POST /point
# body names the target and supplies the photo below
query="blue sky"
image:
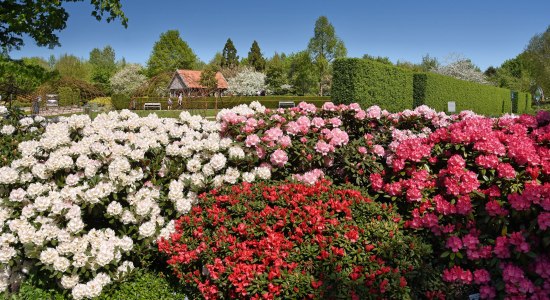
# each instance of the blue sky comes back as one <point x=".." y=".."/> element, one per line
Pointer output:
<point x="486" y="31"/>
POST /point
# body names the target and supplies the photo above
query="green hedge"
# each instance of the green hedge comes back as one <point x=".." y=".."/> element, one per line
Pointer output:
<point x="69" y="96"/>
<point x="436" y="90"/>
<point x="123" y="101"/>
<point x="370" y="83"/>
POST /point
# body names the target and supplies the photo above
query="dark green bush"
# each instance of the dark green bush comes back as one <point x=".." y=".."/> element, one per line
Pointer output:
<point x="120" y="101"/>
<point x="370" y="83"/>
<point x="142" y="285"/>
<point x="436" y="90"/>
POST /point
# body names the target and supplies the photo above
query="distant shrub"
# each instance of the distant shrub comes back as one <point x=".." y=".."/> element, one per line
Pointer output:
<point x="105" y="102"/>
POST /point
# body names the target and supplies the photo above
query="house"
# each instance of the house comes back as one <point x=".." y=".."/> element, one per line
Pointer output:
<point x="187" y="83"/>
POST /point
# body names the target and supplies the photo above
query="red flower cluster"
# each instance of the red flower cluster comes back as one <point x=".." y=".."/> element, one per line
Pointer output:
<point x="292" y="241"/>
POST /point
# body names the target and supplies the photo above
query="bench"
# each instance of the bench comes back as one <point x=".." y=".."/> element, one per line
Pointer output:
<point x="286" y="104"/>
<point x="151" y="106"/>
<point x="52" y="103"/>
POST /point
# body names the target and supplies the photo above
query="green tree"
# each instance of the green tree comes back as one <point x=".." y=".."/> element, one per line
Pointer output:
<point x="276" y="75"/>
<point x="216" y="61"/>
<point x="325" y="46"/>
<point x="537" y="59"/>
<point x="255" y="57"/>
<point x="229" y="55"/>
<point x="429" y="64"/>
<point x="103" y="66"/>
<point x="40" y="19"/>
<point x="170" y="53"/>
<point x="37" y="61"/>
<point x="208" y="78"/>
<point x="71" y="66"/>
<point x="18" y="77"/>
<point x="302" y="73"/>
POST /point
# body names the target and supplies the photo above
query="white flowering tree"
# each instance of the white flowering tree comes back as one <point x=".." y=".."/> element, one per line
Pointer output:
<point x="462" y="68"/>
<point x="247" y="83"/>
<point x="127" y="79"/>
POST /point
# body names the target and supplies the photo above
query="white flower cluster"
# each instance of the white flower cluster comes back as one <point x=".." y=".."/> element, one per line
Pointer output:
<point x="107" y="170"/>
<point x="3" y="110"/>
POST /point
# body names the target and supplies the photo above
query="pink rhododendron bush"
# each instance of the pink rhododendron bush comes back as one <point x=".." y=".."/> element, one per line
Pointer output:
<point x="476" y="187"/>
<point x="84" y="201"/>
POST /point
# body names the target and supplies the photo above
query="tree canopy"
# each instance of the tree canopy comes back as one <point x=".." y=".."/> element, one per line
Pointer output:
<point x="255" y="57"/>
<point x="39" y="19"/>
<point x="170" y="52"/>
<point x="229" y="55"/>
<point x="325" y="46"/>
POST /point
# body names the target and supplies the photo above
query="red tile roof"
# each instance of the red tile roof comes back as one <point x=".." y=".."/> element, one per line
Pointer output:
<point x="192" y="79"/>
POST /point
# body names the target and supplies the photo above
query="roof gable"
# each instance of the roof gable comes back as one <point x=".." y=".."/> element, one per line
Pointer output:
<point x="191" y="79"/>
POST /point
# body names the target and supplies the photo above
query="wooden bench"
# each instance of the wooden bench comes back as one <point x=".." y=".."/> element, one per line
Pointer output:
<point x="151" y="106"/>
<point x="286" y="104"/>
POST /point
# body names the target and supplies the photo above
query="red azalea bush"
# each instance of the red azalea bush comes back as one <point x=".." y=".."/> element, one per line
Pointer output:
<point x="294" y="241"/>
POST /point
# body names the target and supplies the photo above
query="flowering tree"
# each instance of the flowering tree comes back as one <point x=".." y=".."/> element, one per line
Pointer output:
<point x="127" y="79"/>
<point x="247" y="83"/>
<point x="461" y="68"/>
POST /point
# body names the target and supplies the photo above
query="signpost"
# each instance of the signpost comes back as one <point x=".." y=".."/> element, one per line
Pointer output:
<point x="451" y="106"/>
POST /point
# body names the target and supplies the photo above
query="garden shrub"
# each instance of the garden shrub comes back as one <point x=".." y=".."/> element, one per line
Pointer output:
<point x="16" y="127"/>
<point x="285" y="240"/>
<point x="141" y="285"/>
<point x="69" y="96"/>
<point x="436" y="90"/>
<point x="87" y="198"/>
<point x="371" y="83"/>
<point x="495" y="161"/>
<point x="480" y="188"/>
<point x="104" y="102"/>
<point x="120" y="101"/>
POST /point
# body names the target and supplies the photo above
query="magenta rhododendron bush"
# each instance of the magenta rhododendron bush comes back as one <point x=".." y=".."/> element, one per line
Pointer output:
<point x="477" y="188"/>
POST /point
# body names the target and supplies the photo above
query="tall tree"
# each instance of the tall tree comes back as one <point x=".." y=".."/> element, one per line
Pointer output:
<point x="429" y="64"/>
<point x="37" y="61"/>
<point x="216" y="61"/>
<point x="40" y="19"/>
<point x="275" y="76"/>
<point x="537" y="59"/>
<point x="103" y="66"/>
<point x="255" y="57"/>
<point x="71" y="66"/>
<point x="302" y="73"/>
<point x="170" y="52"/>
<point x="325" y="46"/>
<point x="229" y="55"/>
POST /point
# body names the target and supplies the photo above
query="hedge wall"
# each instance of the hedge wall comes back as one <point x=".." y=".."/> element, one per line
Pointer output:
<point x="436" y="90"/>
<point x="122" y="101"/>
<point x="370" y="83"/>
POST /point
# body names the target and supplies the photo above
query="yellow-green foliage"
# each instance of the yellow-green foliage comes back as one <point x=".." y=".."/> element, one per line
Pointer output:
<point x="370" y="83"/>
<point x="436" y="90"/>
<point x="105" y="102"/>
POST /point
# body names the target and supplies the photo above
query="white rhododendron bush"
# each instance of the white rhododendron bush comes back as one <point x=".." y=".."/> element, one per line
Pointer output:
<point x="85" y="201"/>
<point x="86" y="197"/>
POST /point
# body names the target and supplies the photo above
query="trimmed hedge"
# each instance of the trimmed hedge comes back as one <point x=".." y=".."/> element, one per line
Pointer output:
<point x="436" y="90"/>
<point x="123" y="101"/>
<point x="370" y="83"/>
